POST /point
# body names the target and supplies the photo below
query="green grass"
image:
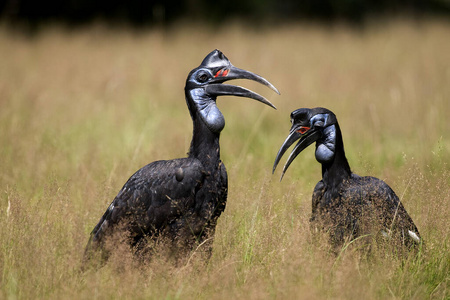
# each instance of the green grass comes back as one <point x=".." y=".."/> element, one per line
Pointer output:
<point x="81" y="110"/>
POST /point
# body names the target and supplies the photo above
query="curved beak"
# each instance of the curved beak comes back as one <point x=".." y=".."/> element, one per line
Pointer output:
<point x="216" y="88"/>
<point x="306" y="139"/>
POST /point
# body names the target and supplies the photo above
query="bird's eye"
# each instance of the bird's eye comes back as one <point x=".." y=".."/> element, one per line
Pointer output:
<point x="202" y="77"/>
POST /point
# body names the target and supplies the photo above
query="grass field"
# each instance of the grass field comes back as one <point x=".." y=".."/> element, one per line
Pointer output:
<point x="81" y="110"/>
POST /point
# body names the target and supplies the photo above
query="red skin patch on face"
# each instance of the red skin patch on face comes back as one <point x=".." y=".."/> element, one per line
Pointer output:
<point x="303" y="129"/>
<point x="221" y="73"/>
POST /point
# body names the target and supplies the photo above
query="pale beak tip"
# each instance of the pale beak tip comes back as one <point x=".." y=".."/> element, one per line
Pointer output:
<point x="275" y="89"/>
<point x="270" y="104"/>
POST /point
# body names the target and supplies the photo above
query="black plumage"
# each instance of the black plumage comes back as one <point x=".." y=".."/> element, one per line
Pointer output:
<point x="179" y="201"/>
<point x="344" y="204"/>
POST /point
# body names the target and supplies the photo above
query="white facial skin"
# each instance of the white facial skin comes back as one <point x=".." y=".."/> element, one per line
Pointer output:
<point x="208" y="110"/>
<point x="326" y="146"/>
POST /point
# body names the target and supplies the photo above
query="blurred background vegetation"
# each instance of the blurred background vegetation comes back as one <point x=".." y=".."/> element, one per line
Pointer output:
<point x="158" y="12"/>
<point x="82" y="109"/>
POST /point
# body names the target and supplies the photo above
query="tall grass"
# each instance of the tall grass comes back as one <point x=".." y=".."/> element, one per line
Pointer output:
<point x="81" y="110"/>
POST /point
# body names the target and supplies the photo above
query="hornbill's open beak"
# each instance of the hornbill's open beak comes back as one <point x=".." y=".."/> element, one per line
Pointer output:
<point x="216" y="88"/>
<point x="306" y="135"/>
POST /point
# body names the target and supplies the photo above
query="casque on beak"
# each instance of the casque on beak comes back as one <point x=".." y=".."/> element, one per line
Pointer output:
<point x="216" y="88"/>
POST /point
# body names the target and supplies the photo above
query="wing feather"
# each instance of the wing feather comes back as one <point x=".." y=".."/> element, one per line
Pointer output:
<point x="153" y="196"/>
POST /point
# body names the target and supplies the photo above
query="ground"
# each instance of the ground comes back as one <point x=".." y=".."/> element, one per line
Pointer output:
<point x="82" y="110"/>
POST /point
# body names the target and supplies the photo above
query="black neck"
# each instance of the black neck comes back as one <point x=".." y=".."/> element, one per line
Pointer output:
<point x="205" y="144"/>
<point x="338" y="170"/>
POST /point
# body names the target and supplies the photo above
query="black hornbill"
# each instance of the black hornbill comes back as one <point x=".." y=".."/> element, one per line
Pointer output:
<point x="179" y="201"/>
<point x="344" y="204"/>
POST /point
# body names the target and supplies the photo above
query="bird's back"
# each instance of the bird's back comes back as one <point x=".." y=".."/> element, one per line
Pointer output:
<point x="363" y="206"/>
<point x="178" y="199"/>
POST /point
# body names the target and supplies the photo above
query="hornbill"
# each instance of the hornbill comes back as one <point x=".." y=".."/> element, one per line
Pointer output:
<point x="346" y="205"/>
<point x="179" y="201"/>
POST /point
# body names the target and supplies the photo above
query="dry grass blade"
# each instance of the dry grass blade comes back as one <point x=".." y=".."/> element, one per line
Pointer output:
<point x="81" y="110"/>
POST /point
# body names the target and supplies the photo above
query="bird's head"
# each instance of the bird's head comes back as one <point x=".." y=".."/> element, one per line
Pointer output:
<point x="205" y="83"/>
<point x="309" y="126"/>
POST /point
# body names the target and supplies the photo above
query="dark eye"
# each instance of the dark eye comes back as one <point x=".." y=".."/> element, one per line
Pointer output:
<point x="202" y="77"/>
